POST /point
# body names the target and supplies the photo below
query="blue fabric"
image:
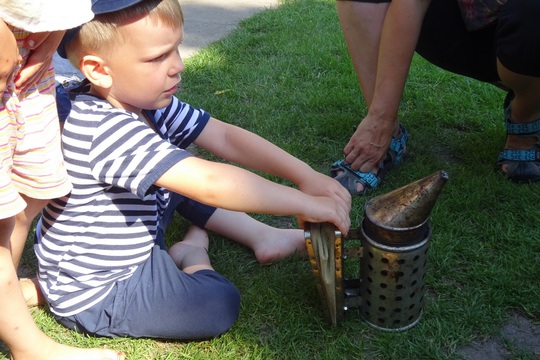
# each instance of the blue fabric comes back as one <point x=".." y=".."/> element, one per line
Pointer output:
<point x="63" y="105"/>
<point x="192" y="210"/>
<point x="66" y="77"/>
<point x="107" y="6"/>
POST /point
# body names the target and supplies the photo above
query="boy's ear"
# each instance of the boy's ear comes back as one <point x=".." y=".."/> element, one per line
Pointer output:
<point x="94" y="69"/>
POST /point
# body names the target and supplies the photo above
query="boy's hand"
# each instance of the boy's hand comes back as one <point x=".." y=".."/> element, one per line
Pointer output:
<point x="326" y="209"/>
<point x="334" y="199"/>
<point x="318" y="184"/>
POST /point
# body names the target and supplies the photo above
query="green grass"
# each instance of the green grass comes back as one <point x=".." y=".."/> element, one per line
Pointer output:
<point x="285" y="74"/>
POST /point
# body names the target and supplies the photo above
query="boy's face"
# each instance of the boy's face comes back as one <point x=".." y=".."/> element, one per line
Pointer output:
<point x="145" y="67"/>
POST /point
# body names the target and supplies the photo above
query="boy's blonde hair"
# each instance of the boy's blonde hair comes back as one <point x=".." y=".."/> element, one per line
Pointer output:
<point x="100" y="35"/>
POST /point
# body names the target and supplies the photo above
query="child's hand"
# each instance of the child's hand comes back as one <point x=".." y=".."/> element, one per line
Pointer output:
<point x="318" y="184"/>
<point x="325" y="209"/>
<point x="42" y="47"/>
<point x="9" y="56"/>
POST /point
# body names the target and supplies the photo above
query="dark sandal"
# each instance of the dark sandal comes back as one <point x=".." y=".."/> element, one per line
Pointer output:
<point x="349" y="178"/>
<point x="523" y="165"/>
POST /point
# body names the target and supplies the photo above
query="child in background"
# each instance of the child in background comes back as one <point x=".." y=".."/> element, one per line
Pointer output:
<point x="103" y="266"/>
<point x="31" y="166"/>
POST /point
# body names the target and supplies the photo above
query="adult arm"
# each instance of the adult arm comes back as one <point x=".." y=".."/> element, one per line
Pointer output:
<point x="367" y="147"/>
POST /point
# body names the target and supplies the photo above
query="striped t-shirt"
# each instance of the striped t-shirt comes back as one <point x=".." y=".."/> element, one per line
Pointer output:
<point x="106" y="227"/>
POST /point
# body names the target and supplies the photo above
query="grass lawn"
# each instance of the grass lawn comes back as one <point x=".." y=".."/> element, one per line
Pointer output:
<point x="285" y="74"/>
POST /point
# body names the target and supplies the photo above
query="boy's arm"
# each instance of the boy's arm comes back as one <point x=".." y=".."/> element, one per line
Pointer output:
<point x="250" y="150"/>
<point x="230" y="187"/>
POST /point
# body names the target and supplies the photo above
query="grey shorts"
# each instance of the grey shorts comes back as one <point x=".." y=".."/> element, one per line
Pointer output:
<point x="160" y="301"/>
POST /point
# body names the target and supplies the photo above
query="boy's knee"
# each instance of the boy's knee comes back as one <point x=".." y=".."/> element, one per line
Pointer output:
<point x="227" y="309"/>
<point x="222" y="308"/>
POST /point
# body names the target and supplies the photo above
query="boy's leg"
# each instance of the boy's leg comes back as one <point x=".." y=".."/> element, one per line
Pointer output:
<point x="270" y="244"/>
<point x="191" y="254"/>
<point x="161" y="301"/>
<point x="32" y="292"/>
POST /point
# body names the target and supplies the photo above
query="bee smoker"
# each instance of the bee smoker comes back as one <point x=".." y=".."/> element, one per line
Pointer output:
<point x="394" y="240"/>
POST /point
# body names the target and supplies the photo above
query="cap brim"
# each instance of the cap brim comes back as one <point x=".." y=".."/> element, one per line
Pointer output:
<point x="107" y="6"/>
<point x="98" y="7"/>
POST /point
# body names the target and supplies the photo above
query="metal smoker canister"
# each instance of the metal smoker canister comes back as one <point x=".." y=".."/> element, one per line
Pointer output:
<point x="396" y="235"/>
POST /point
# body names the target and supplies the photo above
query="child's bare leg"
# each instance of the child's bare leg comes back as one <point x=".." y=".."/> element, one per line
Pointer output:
<point x="17" y="328"/>
<point x="31" y="292"/>
<point x="22" y="226"/>
<point x="270" y="244"/>
<point x="23" y="222"/>
<point x="191" y="254"/>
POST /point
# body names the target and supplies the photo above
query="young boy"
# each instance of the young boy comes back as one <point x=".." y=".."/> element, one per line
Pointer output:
<point x="102" y="261"/>
<point x="31" y="168"/>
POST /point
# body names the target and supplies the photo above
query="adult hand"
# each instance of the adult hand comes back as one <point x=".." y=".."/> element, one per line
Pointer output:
<point x="42" y="47"/>
<point x="367" y="148"/>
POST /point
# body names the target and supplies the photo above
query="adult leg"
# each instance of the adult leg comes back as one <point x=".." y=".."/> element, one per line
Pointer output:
<point x="526" y="102"/>
<point x="445" y="42"/>
<point x="361" y="23"/>
<point x="518" y="55"/>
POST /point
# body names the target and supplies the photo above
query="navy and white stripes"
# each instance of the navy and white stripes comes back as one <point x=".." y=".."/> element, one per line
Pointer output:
<point x="100" y="232"/>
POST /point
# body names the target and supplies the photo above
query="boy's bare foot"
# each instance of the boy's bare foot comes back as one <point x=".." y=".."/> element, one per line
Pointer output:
<point x="191" y="254"/>
<point x="279" y="245"/>
<point x="270" y="244"/>
<point x="31" y="291"/>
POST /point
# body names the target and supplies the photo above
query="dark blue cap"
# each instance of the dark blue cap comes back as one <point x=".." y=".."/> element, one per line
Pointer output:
<point x="107" y="6"/>
<point x="98" y="7"/>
